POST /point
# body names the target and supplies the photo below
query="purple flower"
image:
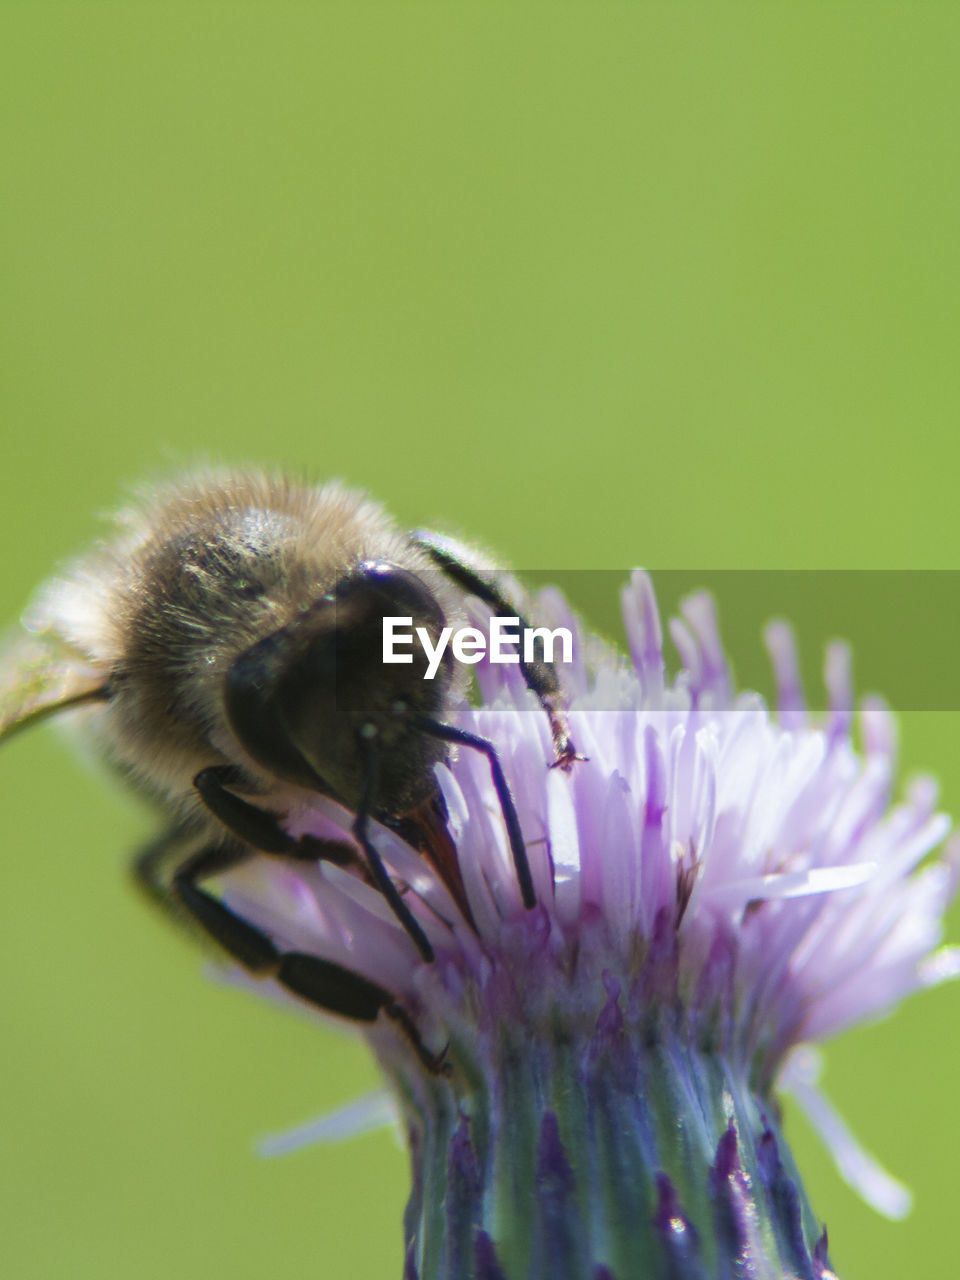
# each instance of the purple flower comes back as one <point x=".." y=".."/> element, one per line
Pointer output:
<point x="718" y="888"/>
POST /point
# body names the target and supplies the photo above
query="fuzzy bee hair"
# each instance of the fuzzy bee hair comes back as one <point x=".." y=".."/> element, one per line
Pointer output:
<point x="197" y="573"/>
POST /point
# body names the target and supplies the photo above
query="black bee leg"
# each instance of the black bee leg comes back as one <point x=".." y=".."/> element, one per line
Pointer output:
<point x="517" y="847"/>
<point x="540" y="677"/>
<point x="260" y="828"/>
<point x="246" y="944"/>
<point x="435" y="1063"/>
<point x="150" y="869"/>
<point x="323" y="983"/>
<point x="379" y="874"/>
<point x="156" y="868"/>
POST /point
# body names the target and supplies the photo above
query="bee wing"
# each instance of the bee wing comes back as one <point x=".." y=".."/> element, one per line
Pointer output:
<point x="41" y="675"/>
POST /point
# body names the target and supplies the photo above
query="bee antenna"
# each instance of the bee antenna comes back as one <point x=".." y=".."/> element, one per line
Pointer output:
<point x="518" y="848"/>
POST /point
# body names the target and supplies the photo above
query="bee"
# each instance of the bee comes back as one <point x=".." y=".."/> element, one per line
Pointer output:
<point x="227" y="643"/>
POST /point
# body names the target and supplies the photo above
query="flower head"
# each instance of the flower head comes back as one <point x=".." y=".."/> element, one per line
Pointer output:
<point x="715" y="878"/>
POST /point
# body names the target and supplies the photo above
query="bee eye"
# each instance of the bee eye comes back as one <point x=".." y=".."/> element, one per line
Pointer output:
<point x="389" y="590"/>
<point x="260" y="689"/>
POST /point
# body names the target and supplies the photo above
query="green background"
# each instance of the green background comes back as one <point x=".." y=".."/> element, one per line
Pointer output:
<point x="596" y="285"/>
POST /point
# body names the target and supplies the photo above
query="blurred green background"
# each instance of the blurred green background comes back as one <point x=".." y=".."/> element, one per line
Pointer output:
<point x="595" y="285"/>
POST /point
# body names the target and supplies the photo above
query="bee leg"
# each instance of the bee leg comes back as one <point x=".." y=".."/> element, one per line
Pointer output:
<point x="260" y="828"/>
<point x="323" y="983"/>
<point x="380" y="875"/>
<point x="436" y="1063"/>
<point x="518" y="848"/>
<point x="149" y="869"/>
<point x="540" y="677"/>
<point x="156" y="868"/>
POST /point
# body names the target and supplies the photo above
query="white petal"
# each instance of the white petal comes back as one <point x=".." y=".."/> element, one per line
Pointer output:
<point x="942" y="966"/>
<point x="856" y="1166"/>
<point x="793" y="884"/>
<point x="373" y="1111"/>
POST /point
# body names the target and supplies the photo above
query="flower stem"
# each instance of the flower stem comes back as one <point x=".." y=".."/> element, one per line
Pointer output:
<point x="601" y="1158"/>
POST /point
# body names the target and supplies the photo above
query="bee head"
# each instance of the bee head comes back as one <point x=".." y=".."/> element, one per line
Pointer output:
<point x="310" y="701"/>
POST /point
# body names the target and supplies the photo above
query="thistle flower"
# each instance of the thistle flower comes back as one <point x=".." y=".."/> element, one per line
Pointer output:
<point x="718" y="889"/>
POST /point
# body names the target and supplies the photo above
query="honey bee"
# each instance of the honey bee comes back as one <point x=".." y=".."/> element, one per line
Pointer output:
<point x="227" y="643"/>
